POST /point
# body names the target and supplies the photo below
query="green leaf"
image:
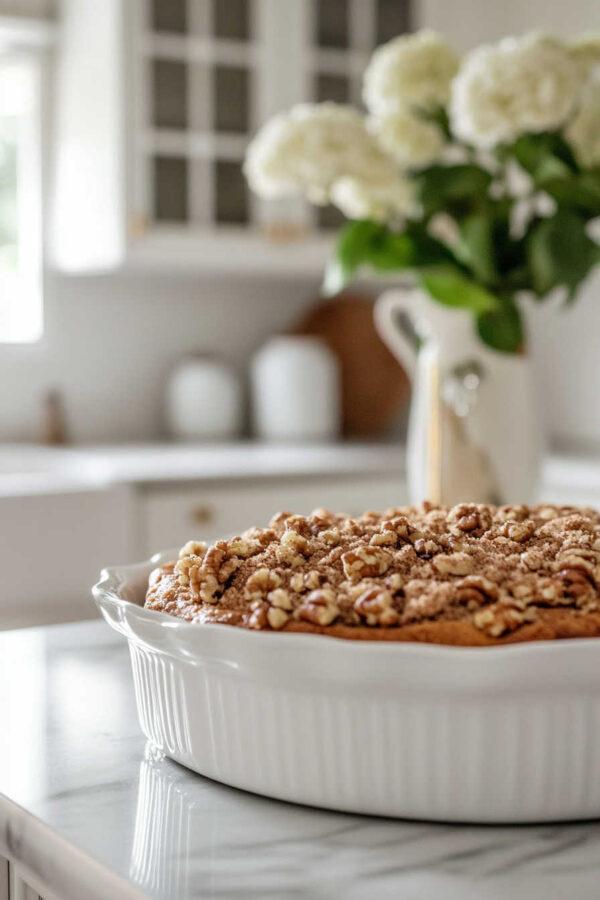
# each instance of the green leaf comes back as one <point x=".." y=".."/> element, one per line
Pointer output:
<point x="412" y="248"/>
<point x="438" y="116"/>
<point x="447" y="284"/>
<point x="391" y="252"/>
<point x="544" y="155"/>
<point x="452" y="189"/>
<point x="352" y="249"/>
<point x="578" y="192"/>
<point x="502" y="329"/>
<point x="476" y="248"/>
<point x="370" y="243"/>
<point x="560" y="254"/>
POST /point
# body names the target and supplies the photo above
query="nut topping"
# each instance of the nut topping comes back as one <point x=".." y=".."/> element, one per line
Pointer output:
<point x="319" y="608"/>
<point x="495" y="568"/>
<point x="454" y="563"/>
<point x="376" y="606"/>
<point x="365" y="562"/>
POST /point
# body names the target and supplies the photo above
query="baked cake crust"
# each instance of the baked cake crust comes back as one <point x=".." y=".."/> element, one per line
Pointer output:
<point x="470" y="575"/>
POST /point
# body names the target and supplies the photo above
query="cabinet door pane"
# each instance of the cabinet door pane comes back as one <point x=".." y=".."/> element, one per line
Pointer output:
<point x="169" y="15"/>
<point x="231" y="201"/>
<point x="230" y="102"/>
<point x="393" y="18"/>
<point x="332" y="87"/>
<point x="332" y="23"/>
<point x="170" y="189"/>
<point x="231" y="19"/>
<point x="169" y="94"/>
<point x="330" y="217"/>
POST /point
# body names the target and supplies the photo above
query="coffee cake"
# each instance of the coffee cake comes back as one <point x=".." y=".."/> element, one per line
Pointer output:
<point x="471" y="574"/>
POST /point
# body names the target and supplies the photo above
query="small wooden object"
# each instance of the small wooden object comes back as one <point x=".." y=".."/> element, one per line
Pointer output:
<point x="54" y="424"/>
<point x="374" y="386"/>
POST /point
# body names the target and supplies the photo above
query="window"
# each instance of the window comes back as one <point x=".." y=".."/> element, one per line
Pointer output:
<point x="20" y="200"/>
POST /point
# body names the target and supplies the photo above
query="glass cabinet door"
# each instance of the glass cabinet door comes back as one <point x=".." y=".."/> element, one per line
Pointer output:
<point x="199" y="68"/>
<point x="212" y="71"/>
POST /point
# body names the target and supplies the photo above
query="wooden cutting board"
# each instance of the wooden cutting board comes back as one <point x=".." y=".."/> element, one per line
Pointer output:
<point x="375" y="389"/>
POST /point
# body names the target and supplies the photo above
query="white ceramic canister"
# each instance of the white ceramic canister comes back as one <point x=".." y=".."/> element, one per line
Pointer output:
<point x="204" y="400"/>
<point x="296" y="390"/>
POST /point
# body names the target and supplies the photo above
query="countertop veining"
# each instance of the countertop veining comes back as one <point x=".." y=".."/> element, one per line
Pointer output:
<point x="93" y="812"/>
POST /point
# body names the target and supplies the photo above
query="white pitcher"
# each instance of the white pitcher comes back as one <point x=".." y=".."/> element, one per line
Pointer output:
<point x="473" y="432"/>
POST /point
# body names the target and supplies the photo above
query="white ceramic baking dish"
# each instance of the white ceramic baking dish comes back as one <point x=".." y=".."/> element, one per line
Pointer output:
<point x="500" y="734"/>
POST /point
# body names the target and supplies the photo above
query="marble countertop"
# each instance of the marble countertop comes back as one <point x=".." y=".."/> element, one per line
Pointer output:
<point x="27" y="468"/>
<point x="91" y="811"/>
<point x="30" y="468"/>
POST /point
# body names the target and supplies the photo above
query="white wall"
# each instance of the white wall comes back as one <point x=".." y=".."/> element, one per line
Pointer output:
<point x="110" y="341"/>
<point x="470" y="22"/>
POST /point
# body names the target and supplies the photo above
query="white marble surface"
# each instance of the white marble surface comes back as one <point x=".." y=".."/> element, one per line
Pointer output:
<point x="27" y="468"/>
<point x="88" y="810"/>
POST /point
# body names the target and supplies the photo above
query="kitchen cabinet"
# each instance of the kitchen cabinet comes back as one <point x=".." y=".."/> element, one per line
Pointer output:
<point x="16" y="884"/>
<point x="155" y="103"/>
<point x="170" y="515"/>
<point x="54" y="543"/>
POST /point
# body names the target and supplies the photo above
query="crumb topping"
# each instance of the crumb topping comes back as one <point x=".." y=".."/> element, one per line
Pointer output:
<point x="496" y="567"/>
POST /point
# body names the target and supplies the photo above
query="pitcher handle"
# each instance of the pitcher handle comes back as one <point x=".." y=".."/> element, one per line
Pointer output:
<point x="391" y="330"/>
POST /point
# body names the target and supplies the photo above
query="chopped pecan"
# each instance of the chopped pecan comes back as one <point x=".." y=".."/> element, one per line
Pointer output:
<point x="577" y="584"/>
<point x="496" y="620"/>
<point x="277" y="617"/>
<point x="258" y="616"/>
<point x="454" y="563"/>
<point x="511" y="513"/>
<point x="475" y="590"/>
<point x="375" y="605"/>
<point x="365" y="562"/>
<point x="193" y="548"/>
<point x="425" y="547"/>
<point x="261" y="582"/>
<point x="243" y="547"/>
<point x="319" y="608"/>
<point x="280" y="598"/>
<point x="472" y="518"/>
<point x="518" y="531"/>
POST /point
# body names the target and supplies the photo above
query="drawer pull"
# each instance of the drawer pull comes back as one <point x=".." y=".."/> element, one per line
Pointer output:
<point x="203" y="514"/>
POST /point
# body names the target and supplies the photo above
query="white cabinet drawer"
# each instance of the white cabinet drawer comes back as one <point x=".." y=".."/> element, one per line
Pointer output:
<point x="171" y="516"/>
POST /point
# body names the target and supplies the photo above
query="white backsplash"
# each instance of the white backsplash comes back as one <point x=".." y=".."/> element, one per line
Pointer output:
<point x="110" y="342"/>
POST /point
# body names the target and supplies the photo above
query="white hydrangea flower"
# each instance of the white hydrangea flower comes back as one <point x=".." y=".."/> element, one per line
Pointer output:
<point x="538" y="205"/>
<point x="592" y="229"/>
<point x="526" y="84"/>
<point x="585" y="50"/>
<point x="410" y="71"/>
<point x="411" y="141"/>
<point x="583" y="131"/>
<point x="443" y="227"/>
<point x="308" y="149"/>
<point x="383" y="201"/>
<point x="519" y="183"/>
